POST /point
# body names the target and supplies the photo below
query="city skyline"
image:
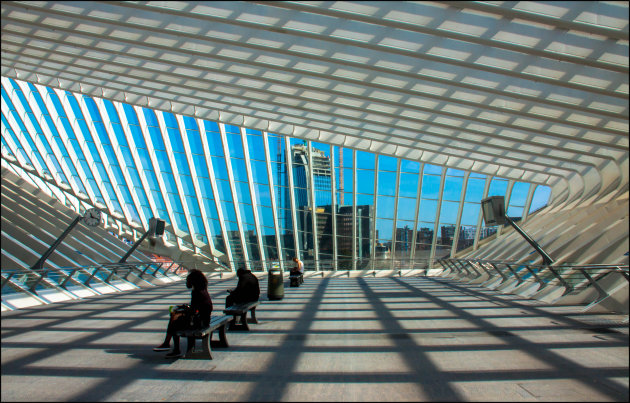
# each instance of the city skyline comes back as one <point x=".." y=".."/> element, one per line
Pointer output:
<point x="226" y="190"/>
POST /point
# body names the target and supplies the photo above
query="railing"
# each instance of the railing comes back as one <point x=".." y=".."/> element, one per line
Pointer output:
<point x="28" y="279"/>
<point x="340" y="264"/>
<point x="574" y="278"/>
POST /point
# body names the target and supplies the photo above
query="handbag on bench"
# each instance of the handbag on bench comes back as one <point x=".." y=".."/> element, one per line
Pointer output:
<point x="185" y="317"/>
<point x="182" y="314"/>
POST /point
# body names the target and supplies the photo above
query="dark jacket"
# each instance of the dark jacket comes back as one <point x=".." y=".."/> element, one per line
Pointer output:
<point x="201" y="303"/>
<point x="247" y="289"/>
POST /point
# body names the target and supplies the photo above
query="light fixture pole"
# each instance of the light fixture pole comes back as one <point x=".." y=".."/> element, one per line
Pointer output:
<point x="156" y="227"/>
<point x="40" y="263"/>
<point x="494" y="213"/>
<point x="92" y="218"/>
<point x="547" y="260"/>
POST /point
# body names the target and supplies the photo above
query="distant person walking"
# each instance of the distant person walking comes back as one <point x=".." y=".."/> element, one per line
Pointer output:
<point x="247" y="289"/>
<point x="195" y="316"/>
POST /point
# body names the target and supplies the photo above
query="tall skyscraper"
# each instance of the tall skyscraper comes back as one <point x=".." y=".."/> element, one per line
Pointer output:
<point x="321" y="186"/>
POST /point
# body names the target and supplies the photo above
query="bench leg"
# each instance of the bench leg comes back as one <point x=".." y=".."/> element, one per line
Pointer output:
<point x="244" y="321"/>
<point x="253" y="314"/>
<point x="233" y="325"/>
<point x="205" y="342"/>
<point x="239" y="326"/>
<point x="223" y="337"/>
<point x="190" y="346"/>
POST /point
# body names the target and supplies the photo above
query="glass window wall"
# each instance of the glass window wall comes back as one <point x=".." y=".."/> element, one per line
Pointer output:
<point x="143" y="161"/>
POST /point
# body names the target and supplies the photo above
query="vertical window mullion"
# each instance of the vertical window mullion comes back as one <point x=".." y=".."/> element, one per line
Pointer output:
<point x="124" y="123"/>
<point x="237" y="211"/>
<point x="13" y="148"/>
<point x="373" y="223"/>
<point x="437" y="216"/>
<point x="486" y="189"/>
<point x="333" y="207"/>
<point x="20" y="144"/>
<point x="144" y="129"/>
<point x="47" y="131"/>
<point x="107" y="123"/>
<point x="506" y="198"/>
<point x="414" y="235"/>
<point x="252" y="192"/>
<point x="272" y="195"/>
<point x="188" y="236"/>
<point x="72" y="119"/>
<point x="310" y="185"/>
<point x="74" y="158"/>
<point x="101" y="153"/>
<point x="215" y="194"/>
<point x="528" y="201"/>
<point x="458" y="221"/>
<point x="396" y="198"/>
<point x="289" y="161"/>
<point x="21" y="112"/>
<point x="354" y="210"/>
<point x="195" y="181"/>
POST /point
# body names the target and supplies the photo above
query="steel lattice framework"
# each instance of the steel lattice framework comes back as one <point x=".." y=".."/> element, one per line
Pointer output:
<point x="533" y="92"/>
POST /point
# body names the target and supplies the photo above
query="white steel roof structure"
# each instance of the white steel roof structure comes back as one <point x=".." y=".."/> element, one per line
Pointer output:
<point x="533" y="92"/>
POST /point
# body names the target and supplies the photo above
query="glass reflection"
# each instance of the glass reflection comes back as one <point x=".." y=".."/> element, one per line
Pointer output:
<point x="406" y="209"/>
<point x="106" y="156"/>
<point x="541" y="198"/>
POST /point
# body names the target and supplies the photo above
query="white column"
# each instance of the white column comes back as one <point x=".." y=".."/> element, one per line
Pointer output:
<point x="374" y="238"/>
<point x="333" y="205"/>
<point x="195" y="180"/>
<point x="289" y="161"/>
<point x="395" y="223"/>
<point x="147" y="139"/>
<point x="144" y="220"/>
<point x="310" y="188"/>
<point x="458" y="222"/>
<point x="237" y="211"/>
<point x="354" y="210"/>
<point x="414" y="236"/>
<point x="32" y="131"/>
<point x="506" y="199"/>
<point x="215" y="192"/>
<point x="48" y="133"/>
<point x="252" y="192"/>
<point x="528" y="201"/>
<point x="108" y="170"/>
<point x="436" y="226"/>
<point x="486" y="188"/>
<point x="136" y="159"/>
<point x="272" y="196"/>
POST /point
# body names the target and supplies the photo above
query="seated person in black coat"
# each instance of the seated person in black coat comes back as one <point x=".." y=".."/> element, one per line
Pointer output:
<point x="247" y="289"/>
<point x="198" y="315"/>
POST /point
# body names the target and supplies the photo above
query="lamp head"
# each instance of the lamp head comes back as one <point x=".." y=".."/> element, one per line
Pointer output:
<point x="493" y="208"/>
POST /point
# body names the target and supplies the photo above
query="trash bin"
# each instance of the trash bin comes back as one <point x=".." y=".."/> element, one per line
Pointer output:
<point x="275" y="286"/>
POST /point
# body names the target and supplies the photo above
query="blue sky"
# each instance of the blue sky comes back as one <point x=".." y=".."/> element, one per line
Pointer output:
<point x="128" y="159"/>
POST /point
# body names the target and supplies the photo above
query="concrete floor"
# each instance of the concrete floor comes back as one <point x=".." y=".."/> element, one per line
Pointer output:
<point x="332" y="339"/>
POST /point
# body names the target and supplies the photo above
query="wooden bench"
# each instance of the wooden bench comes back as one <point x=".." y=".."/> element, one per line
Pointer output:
<point x="240" y="310"/>
<point x="295" y="280"/>
<point x="205" y="334"/>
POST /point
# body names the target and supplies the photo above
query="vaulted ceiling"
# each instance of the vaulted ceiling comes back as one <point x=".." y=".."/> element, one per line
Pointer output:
<point x="531" y="91"/>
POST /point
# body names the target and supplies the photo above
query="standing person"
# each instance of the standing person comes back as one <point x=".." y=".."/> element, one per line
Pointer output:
<point x="247" y="289"/>
<point x="197" y="316"/>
